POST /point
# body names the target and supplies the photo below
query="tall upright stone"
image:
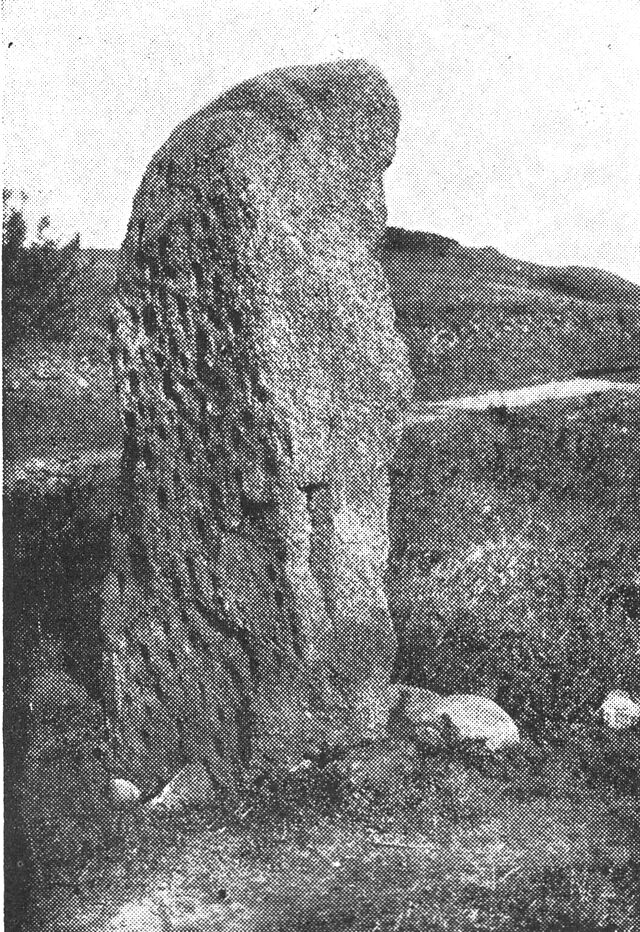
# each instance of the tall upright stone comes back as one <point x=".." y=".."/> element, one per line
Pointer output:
<point x="260" y="383"/>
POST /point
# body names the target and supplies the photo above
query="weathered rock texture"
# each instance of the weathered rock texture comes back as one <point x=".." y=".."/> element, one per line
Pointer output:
<point x="260" y="382"/>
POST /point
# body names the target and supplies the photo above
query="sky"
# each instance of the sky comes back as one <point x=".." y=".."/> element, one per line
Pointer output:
<point x="520" y="120"/>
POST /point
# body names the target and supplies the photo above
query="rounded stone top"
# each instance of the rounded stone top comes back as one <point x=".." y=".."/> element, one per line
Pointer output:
<point x="291" y="100"/>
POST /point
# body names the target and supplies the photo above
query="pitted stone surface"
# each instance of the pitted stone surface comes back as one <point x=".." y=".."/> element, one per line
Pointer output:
<point x="260" y="384"/>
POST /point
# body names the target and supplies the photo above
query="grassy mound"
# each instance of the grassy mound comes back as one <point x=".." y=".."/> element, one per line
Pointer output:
<point x="475" y="320"/>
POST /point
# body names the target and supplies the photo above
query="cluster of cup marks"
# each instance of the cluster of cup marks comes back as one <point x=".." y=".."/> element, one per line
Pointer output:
<point x="204" y="375"/>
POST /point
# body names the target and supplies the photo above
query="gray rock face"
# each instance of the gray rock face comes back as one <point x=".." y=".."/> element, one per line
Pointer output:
<point x="260" y="384"/>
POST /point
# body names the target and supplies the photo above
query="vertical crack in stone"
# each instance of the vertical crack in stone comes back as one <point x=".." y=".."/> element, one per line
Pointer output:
<point x="260" y="384"/>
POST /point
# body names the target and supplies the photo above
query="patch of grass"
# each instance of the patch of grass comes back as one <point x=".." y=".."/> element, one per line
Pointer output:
<point x="59" y="399"/>
<point x="515" y="555"/>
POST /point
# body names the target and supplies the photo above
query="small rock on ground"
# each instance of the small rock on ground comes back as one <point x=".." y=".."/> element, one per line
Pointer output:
<point x="619" y="710"/>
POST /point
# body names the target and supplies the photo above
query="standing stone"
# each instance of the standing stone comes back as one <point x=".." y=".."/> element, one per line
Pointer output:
<point x="260" y="384"/>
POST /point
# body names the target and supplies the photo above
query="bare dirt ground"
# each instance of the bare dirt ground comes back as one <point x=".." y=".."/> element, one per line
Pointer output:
<point x="379" y="839"/>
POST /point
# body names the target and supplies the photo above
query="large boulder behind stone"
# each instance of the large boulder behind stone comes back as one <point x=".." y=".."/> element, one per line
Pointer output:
<point x="419" y="713"/>
<point x="260" y="383"/>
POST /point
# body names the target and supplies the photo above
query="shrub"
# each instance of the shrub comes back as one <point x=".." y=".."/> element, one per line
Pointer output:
<point x="38" y="280"/>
